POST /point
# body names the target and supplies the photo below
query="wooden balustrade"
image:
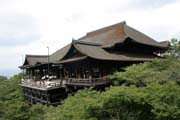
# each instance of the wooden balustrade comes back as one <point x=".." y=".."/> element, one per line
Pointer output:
<point x="46" y="84"/>
<point x="43" y="84"/>
<point x="86" y="81"/>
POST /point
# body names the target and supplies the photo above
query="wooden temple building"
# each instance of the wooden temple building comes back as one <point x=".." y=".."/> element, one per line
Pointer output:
<point x="85" y="62"/>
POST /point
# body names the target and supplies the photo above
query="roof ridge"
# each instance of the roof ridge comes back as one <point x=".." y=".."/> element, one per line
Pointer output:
<point x="107" y="27"/>
<point x="86" y="42"/>
<point x="28" y="55"/>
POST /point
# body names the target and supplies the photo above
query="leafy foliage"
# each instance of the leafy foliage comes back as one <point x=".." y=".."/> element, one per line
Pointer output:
<point x="38" y="112"/>
<point x="3" y="78"/>
<point x="11" y="100"/>
<point x="12" y="106"/>
<point x="159" y="71"/>
<point x="175" y="47"/>
<point x="154" y="102"/>
<point x="76" y="107"/>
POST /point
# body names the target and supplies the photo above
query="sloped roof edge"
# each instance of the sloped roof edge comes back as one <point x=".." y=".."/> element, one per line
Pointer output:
<point x="33" y="59"/>
<point x="59" y="54"/>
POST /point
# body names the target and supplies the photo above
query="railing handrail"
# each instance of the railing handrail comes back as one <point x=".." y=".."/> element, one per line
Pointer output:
<point x="62" y="82"/>
<point x="86" y="80"/>
<point x="42" y="83"/>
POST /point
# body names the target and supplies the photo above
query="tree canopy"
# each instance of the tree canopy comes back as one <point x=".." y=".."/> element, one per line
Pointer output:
<point x="159" y="71"/>
<point x="175" y="47"/>
<point x="12" y="106"/>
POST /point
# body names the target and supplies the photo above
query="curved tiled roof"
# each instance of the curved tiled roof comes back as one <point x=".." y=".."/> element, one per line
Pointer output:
<point x="105" y="35"/>
<point x="58" y="55"/>
<point x="93" y="44"/>
<point x="96" y="52"/>
<point x="31" y="60"/>
<point x="118" y="33"/>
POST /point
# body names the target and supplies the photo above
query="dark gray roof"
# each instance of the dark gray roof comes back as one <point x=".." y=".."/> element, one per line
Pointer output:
<point x="105" y="35"/>
<point x="31" y="60"/>
<point x="165" y="43"/>
<point x="58" y="55"/>
<point x="118" y="33"/>
<point x="97" y="52"/>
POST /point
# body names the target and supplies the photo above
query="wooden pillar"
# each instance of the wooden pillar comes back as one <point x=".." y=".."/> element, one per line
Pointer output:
<point x="47" y="98"/>
<point x="90" y="70"/>
<point x="31" y="99"/>
<point x="76" y="72"/>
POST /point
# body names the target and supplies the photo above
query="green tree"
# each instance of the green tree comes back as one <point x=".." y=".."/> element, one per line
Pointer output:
<point x="11" y="100"/>
<point x="159" y="71"/>
<point x="175" y="47"/>
<point x="37" y="112"/>
<point x="12" y="105"/>
<point x="3" y="78"/>
<point x="77" y="107"/>
<point x="153" y="102"/>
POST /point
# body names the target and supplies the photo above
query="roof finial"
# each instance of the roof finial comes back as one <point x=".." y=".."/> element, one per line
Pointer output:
<point x="73" y="40"/>
<point x="124" y="22"/>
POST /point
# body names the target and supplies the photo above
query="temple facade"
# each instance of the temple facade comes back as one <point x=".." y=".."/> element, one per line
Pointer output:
<point x="86" y="62"/>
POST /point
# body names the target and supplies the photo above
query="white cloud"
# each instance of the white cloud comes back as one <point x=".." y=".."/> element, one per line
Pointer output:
<point x="55" y="22"/>
<point x="161" y="23"/>
<point x="17" y="29"/>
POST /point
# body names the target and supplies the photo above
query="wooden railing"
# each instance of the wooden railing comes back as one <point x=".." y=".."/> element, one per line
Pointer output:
<point x="44" y="84"/>
<point x="48" y="84"/>
<point x="86" y="81"/>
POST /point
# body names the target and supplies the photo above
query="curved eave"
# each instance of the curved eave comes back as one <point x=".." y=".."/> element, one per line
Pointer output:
<point x="60" y="54"/>
<point x="24" y="67"/>
<point x="162" y="47"/>
<point x="102" y="54"/>
<point x="33" y="66"/>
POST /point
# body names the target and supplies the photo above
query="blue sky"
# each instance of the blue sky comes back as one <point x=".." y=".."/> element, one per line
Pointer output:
<point x="29" y="26"/>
